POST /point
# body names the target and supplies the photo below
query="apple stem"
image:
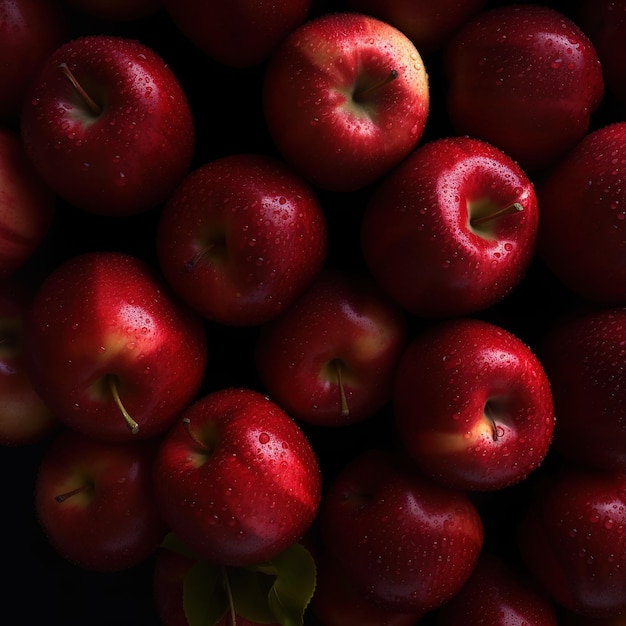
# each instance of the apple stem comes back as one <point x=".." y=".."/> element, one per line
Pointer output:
<point x="91" y="103"/>
<point x="68" y="494"/>
<point x="229" y="595"/>
<point x="345" y="410"/>
<point x="203" y="446"/>
<point x="132" y="424"/>
<point x="516" y="207"/>
<point x="494" y="428"/>
<point x="364" y="93"/>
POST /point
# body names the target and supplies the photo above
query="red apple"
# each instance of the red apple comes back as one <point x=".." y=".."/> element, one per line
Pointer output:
<point x="24" y="417"/>
<point x="572" y="537"/>
<point x="241" y="238"/>
<point x="405" y="541"/>
<point x="339" y="602"/>
<point x="345" y="98"/>
<point x="30" y="31"/>
<point x="583" y="355"/>
<point x="27" y="204"/>
<point x="118" y="10"/>
<point x="499" y="594"/>
<point x="525" y="78"/>
<point x="451" y="230"/>
<point x="472" y="405"/>
<point x="236" y="479"/>
<point x="94" y="501"/>
<point x="330" y="358"/>
<point x="238" y="33"/>
<point x="108" y="126"/>
<point x="110" y="350"/>
<point x="429" y="25"/>
<point x="582" y="234"/>
<point x="604" y="22"/>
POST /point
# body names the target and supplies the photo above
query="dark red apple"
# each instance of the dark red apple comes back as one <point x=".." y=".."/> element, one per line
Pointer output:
<point x="119" y="10"/>
<point x="473" y="405"/>
<point x="24" y="417"/>
<point x="330" y="358"/>
<point x="236" y="479"/>
<point x="498" y="593"/>
<point x="572" y="537"/>
<point x="94" y="501"/>
<point x="241" y="238"/>
<point x="409" y="544"/>
<point x="345" y="98"/>
<point x="110" y="349"/>
<point x="525" y="78"/>
<point x="429" y="25"/>
<point x="582" y="233"/>
<point x="451" y="230"/>
<point x="30" y="31"/>
<point x="27" y="204"/>
<point x="238" y="33"/>
<point x="584" y="357"/>
<point x="108" y="126"/>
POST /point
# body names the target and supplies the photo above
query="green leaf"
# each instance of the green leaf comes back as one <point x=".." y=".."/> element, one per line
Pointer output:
<point x="278" y="591"/>
<point x="294" y="585"/>
<point x="204" y="598"/>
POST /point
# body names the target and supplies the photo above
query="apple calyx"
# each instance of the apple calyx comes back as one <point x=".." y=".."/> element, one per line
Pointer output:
<point x="94" y="108"/>
<point x="363" y="93"/>
<point x="132" y="424"/>
<point x="511" y="209"/>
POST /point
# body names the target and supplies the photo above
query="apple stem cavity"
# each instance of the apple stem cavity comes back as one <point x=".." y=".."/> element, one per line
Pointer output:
<point x="68" y="494"/>
<point x="132" y="424"/>
<point x="364" y="93"/>
<point x="199" y="443"/>
<point x="92" y="105"/>
<point x="516" y="207"/>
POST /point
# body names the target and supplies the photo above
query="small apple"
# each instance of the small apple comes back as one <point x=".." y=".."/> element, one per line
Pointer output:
<point x="238" y="33"/>
<point x="472" y="405"/>
<point x="330" y="358"/>
<point x="94" y="501"/>
<point x="27" y="204"/>
<point x="108" y="126"/>
<point x="236" y="479"/>
<point x="451" y="230"/>
<point x="525" y="78"/>
<point x="31" y="30"/>
<point x="500" y="594"/>
<point x="408" y="543"/>
<point x="584" y="358"/>
<point x="110" y="350"/>
<point x="24" y="417"/>
<point x="241" y="238"/>
<point x="345" y="98"/>
<point x="429" y="25"/>
<point x="572" y="538"/>
<point x="582" y="233"/>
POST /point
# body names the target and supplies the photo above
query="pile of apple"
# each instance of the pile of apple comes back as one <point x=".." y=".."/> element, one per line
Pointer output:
<point x="313" y="312"/>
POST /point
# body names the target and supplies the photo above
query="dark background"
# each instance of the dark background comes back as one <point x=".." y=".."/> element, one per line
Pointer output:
<point x="38" y="585"/>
